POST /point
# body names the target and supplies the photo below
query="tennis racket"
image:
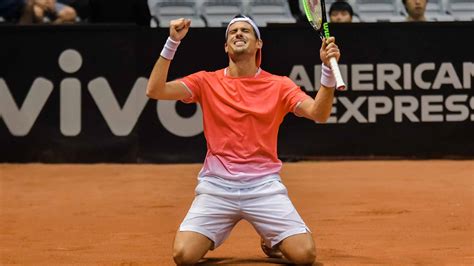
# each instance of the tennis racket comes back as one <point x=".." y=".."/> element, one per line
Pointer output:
<point x="316" y="13"/>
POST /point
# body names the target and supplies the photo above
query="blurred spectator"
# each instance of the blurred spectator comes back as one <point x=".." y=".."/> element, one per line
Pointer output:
<point x="81" y="7"/>
<point x="113" y="11"/>
<point x="415" y="9"/>
<point x="45" y="11"/>
<point x="36" y="11"/>
<point x="340" y="12"/>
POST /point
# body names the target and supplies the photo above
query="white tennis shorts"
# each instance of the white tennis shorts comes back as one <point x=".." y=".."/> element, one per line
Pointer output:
<point x="216" y="209"/>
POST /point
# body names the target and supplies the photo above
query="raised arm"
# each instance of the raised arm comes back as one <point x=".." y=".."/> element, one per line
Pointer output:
<point x="157" y="87"/>
<point x="319" y="108"/>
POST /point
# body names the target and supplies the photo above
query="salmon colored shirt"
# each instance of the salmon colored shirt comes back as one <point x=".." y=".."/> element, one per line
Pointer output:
<point x="241" y="117"/>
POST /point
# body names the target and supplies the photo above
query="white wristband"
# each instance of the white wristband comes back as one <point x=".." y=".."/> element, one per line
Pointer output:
<point x="327" y="78"/>
<point x="170" y="48"/>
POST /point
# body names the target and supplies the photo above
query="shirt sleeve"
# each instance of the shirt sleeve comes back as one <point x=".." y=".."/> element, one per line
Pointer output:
<point x="193" y="84"/>
<point x="292" y="95"/>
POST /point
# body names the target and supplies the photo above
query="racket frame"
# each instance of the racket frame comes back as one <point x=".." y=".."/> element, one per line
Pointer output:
<point x="323" y="32"/>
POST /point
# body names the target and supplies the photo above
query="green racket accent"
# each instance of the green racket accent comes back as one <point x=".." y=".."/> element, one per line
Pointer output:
<point x="314" y="19"/>
<point x="309" y="16"/>
<point x="326" y="30"/>
<point x="322" y="27"/>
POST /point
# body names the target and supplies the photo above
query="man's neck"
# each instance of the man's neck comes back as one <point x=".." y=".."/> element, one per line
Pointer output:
<point x="244" y="68"/>
<point x="421" y="18"/>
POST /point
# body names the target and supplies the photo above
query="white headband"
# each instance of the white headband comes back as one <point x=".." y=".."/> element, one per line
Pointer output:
<point x="244" y="19"/>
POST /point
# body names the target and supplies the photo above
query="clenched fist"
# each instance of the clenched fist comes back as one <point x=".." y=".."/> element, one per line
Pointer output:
<point x="179" y="28"/>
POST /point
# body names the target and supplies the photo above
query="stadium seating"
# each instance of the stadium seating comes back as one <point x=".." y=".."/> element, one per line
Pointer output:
<point x="461" y="9"/>
<point x="379" y="10"/>
<point x="270" y="11"/>
<point x="436" y="11"/>
<point x="165" y="10"/>
<point x="218" y="13"/>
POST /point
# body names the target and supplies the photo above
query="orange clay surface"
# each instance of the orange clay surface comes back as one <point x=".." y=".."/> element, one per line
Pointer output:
<point x="360" y="212"/>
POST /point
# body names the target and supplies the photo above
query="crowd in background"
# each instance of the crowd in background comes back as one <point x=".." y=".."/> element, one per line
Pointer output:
<point x="138" y="12"/>
<point x="75" y="11"/>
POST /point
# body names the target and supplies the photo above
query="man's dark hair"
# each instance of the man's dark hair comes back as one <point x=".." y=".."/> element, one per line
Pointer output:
<point x="341" y="5"/>
<point x="243" y="16"/>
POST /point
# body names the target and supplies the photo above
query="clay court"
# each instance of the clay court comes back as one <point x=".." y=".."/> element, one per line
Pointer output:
<point x="361" y="212"/>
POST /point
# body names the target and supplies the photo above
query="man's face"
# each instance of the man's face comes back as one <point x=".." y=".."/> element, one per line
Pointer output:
<point x="416" y="8"/>
<point x="340" y="16"/>
<point x="241" y="39"/>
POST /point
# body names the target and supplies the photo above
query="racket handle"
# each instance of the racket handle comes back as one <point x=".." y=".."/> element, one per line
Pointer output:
<point x="340" y="86"/>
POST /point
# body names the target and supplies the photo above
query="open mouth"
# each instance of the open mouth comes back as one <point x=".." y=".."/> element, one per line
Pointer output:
<point x="239" y="42"/>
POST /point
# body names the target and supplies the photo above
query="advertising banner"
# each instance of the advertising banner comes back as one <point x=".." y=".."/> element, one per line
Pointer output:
<point x="77" y="94"/>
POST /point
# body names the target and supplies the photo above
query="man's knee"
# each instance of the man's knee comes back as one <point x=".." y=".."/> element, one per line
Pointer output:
<point x="190" y="247"/>
<point x="299" y="249"/>
<point x="184" y="256"/>
<point x="304" y="255"/>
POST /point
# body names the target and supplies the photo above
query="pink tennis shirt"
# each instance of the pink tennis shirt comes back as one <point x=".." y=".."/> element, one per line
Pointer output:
<point x="241" y="117"/>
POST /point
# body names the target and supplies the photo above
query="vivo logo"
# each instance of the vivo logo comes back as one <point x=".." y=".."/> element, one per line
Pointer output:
<point x="120" y="119"/>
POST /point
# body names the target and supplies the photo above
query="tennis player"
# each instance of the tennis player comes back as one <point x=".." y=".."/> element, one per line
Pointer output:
<point x="243" y="107"/>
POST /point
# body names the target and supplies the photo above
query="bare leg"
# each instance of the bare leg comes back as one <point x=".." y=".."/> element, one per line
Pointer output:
<point x="299" y="249"/>
<point x="190" y="247"/>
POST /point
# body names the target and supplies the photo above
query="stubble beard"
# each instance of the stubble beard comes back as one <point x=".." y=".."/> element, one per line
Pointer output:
<point x="239" y="54"/>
